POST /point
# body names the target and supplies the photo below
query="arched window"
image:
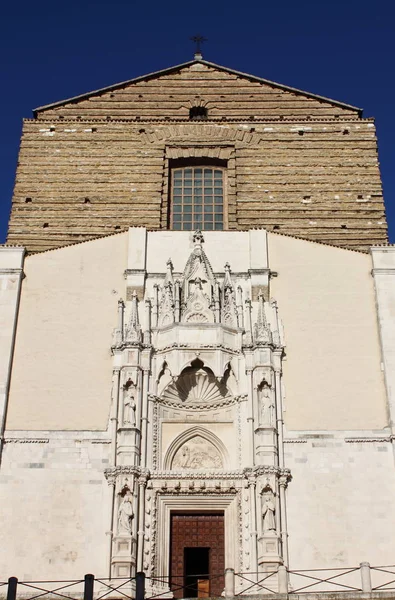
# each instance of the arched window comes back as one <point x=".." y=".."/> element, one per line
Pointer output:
<point x="197" y="197"/>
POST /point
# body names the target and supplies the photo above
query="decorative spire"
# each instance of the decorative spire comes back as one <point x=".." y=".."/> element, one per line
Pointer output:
<point x="133" y="329"/>
<point x="229" y="314"/>
<point x="169" y="273"/>
<point x="262" y="333"/>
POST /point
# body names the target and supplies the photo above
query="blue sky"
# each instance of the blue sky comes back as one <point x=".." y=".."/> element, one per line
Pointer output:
<point x="341" y="49"/>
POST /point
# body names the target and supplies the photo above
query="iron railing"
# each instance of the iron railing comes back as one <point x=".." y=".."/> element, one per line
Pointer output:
<point x="362" y="579"/>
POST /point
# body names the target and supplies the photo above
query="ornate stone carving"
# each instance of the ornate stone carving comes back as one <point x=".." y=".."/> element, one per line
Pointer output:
<point x="197" y="453"/>
<point x="267" y="409"/>
<point x="268" y="510"/>
<point x="129" y="404"/>
<point x="196" y="384"/>
<point x="125" y="511"/>
<point x="197" y="308"/>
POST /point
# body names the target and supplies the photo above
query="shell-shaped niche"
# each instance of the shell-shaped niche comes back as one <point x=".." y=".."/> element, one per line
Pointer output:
<point x="196" y="385"/>
<point x="197" y="453"/>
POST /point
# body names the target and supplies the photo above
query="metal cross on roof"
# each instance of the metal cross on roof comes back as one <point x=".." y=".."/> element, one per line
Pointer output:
<point x="198" y="39"/>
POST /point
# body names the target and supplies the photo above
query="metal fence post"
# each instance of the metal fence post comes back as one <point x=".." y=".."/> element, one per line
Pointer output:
<point x="282" y="580"/>
<point x="140" y="585"/>
<point x="89" y="581"/>
<point x="365" y="577"/>
<point x="12" y="585"/>
<point x="229" y="583"/>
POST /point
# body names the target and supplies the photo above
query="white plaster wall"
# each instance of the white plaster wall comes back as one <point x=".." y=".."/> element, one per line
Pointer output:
<point x="11" y="263"/>
<point x="332" y="372"/>
<point x="62" y="366"/>
<point x="340" y="502"/>
<point x="55" y="505"/>
<point x="384" y="276"/>
<point x="219" y="246"/>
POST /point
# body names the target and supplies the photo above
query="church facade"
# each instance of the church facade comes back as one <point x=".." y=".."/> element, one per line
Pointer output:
<point x="197" y="349"/>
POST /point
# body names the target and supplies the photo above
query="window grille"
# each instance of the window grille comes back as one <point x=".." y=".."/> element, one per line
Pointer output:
<point x="197" y="198"/>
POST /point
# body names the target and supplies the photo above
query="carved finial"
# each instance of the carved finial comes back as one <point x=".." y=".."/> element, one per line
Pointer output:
<point x="198" y="238"/>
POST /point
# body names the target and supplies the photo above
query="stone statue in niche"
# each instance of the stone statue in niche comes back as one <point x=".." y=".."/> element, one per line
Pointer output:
<point x="198" y="453"/>
<point x="125" y="511"/>
<point x="129" y="407"/>
<point x="268" y="510"/>
<point x="267" y="413"/>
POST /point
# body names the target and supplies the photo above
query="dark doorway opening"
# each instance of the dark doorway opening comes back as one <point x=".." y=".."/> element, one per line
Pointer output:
<point x="196" y="572"/>
<point x="197" y="554"/>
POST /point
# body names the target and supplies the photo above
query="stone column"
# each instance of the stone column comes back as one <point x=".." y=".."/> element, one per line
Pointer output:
<point x="142" y="482"/>
<point x="253" y="525"/>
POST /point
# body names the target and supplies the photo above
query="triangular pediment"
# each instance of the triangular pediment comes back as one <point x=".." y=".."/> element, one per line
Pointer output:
<point x="171" y="93"/>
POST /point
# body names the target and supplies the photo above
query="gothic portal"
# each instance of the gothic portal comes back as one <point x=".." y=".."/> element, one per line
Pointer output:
<point x="203" y="379"/>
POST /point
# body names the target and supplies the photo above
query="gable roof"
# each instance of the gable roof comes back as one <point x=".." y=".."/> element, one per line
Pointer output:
<point x="162" y="72"/>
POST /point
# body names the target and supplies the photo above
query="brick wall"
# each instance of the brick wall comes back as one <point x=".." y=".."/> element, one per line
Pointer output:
<point x="297" y="165"/>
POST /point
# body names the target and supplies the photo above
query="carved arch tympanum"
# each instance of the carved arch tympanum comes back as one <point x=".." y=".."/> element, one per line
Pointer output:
<point x="196" y="449"/>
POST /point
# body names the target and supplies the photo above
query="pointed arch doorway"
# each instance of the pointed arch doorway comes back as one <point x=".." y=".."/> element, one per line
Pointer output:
<point x="197" y="554"/>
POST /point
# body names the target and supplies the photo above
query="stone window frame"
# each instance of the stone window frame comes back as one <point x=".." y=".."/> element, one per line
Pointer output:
<point x="206" y="152"/>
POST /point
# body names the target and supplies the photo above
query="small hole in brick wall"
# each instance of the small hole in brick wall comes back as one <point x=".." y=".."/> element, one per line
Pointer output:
<point x="52" y="128"/>
<point x="140" y="95"/>
<point x="171" y="96"/>
<point x="60" y="117"/>
<point x="252" y="118"/>
<point x="45" y="225"/>
<point x="111" y="95"/>
<point x="117" y="227"/>
<point x="360" y="196"/>
<point x="87" y="201"/>
<point x="306" y="197"/>
<point x="276" y="227"/>
<point x="223" y="119"/>
<point x="252" y="129"/>
<point x="344" y="226"/>
<point x="345" y="132"/>
<point x="198" y="113"/>
<point x="301" y="132"/>
<point x="27" y="200"/>
<point x="94" y="129"/>
<point x="141" y="130"/>
<point x="137" y="118"/>
<point x="108" y="119"/>
<point x="79" y="118"/>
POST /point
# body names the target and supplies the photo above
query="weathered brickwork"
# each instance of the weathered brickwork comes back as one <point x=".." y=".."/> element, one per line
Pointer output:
<point x="297" y="164"/>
